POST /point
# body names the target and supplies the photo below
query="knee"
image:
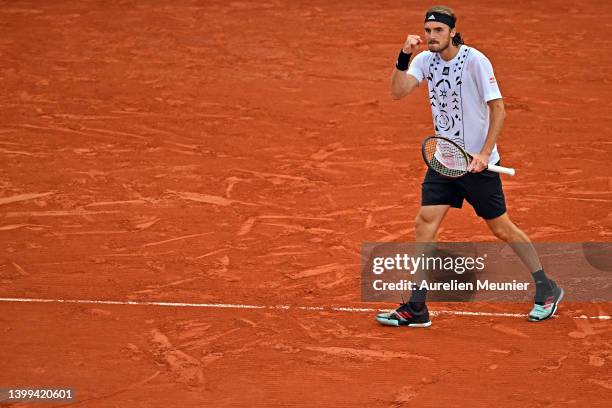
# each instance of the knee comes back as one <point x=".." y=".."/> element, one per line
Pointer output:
<point x="423" y="220"/>
<point x="503" y="232"/>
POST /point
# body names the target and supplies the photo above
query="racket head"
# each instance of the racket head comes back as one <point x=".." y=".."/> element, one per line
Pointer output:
<point x="445" y="157"/>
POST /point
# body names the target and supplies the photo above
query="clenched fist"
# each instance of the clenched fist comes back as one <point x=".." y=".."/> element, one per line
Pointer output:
<point x="412" y="44"/>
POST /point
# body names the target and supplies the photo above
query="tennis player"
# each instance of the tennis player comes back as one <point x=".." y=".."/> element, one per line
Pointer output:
<point x="467" y="107"/>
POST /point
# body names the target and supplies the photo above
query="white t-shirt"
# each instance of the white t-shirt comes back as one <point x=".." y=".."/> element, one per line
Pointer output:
<point x="459" y="90"/>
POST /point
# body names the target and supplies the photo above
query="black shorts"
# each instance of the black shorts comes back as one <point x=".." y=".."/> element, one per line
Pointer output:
<point x="482" y="190"/>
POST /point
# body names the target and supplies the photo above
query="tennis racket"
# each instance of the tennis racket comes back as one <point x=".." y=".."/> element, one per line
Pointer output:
<point x="447" y="158"/>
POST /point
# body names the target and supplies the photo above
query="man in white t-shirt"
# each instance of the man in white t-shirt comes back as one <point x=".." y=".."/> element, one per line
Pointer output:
<point x="467" y="107"/>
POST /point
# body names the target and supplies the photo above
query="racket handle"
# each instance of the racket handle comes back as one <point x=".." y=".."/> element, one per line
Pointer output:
<point x="500" y="169"/>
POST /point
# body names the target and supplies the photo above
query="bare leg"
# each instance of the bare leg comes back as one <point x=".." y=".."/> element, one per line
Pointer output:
<point x="503" y="228"/>
<point x="548" y="294"/>
<point x="428" y="221"/>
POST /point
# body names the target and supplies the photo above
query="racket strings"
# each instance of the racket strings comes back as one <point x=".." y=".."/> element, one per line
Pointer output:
<point x="445" y="157"/>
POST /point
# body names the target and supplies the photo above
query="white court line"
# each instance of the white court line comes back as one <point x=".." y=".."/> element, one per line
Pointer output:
<point x="275" y="307"/>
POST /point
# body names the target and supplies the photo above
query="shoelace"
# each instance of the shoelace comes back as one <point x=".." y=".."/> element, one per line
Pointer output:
<point x="403" y="305"/>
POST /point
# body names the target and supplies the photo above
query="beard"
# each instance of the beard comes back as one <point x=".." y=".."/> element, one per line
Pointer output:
<point x="437" y="47"/>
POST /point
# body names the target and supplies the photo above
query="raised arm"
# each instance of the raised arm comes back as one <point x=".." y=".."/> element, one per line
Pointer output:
<point x="403" y="83"/>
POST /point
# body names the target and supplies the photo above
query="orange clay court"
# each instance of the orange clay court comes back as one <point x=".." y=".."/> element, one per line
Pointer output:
<point x="216" y="155"/>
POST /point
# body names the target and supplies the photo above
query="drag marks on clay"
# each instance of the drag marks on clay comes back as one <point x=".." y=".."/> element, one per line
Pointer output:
<point x="596" y="360"/>
<point x="318" y="270"/>
<point x="327" y="151"/>
<point x="80" y="117"/>
<point x="294" y="217"/>
<point x="216" y="251"/>
<point x="553" y="364"/>
<point x="93" y="232"/>
<point x="247" y="226"/>
<point x="560" y="199"/>
<point x="111" y="203"/>
<point x="186" y="347"/>
<point x="21" y="153"/>
<point x="231" y="183"/>
<point x="31" y="227"/>
<point x="587" y="328"/>
<point x="184" y="367"/>
<point x="509" y="331"/>
<point x="205" y="198"/>
<point x="95" y="396"/>
<point x="58" y="213"/>
<point x="592" y="348"/>
<point x="367" y="354"/>
<point x="165" y="241"/>
<point x="93" y="133"/>
<point x="24" y="197"/>
<point x="10" y="270"/>
<point x="141" y="223"/>
<point x="160" y="288"/>
<point x="400" y="235"/>
<point x="605" y="384"/>
<point x="274" y="178"/>
<point x="192" y="349"/>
